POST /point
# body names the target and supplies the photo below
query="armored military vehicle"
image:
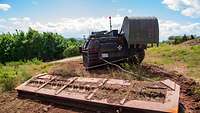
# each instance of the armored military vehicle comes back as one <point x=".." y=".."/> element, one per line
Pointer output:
<point x="127" y="44"/>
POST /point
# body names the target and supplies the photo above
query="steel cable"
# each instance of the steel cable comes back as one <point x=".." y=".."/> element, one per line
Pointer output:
<point x="129" y="72"/>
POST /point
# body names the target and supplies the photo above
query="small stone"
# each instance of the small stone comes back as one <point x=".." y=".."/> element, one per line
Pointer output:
<point x="45" y="109"/>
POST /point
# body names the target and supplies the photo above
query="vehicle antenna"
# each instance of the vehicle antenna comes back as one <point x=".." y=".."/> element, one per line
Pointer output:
<point x="110" y="23"/>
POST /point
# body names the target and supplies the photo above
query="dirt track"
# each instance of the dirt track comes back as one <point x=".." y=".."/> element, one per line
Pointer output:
<point x="67" y="59"/>
<point x="9" y="103"/>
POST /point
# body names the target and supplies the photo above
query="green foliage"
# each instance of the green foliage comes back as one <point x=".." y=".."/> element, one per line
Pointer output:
<point x="179" y="39"/>
<point x="127" y="66"/>
<point x="10" y="76"/>
<point x="72" y="47"/>
<point x="192" y="37"/>
<point x="33" y="44"/>
<point x="7" y="78"/>
<point x="176" y="55"/>
<point x="196" y="90"/>
<point x="71" y="51"/>
<point x="14" y="73"/>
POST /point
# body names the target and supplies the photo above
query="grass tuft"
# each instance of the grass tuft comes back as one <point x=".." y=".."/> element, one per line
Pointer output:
<point x="63" y="70"/>
<point x="14" y="73"/>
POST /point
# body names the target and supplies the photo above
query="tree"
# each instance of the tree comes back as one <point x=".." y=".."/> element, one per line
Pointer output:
<point x="171" y="38"/>
<point x="33" y="44"/>
<point x="192" y="37"/>
<point x="185" y="38"/>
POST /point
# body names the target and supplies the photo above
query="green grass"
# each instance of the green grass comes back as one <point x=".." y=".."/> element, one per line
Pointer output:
<point x="14" y="73"/>
<point x="170" y="56"/>
<point x="196" y="90"/>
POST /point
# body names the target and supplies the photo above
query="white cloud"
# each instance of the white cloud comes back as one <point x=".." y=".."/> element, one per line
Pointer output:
<point x="168" y="28"/>
<point x="189" y="8"/>
<point x="19" y="19"/>
<point x="77" y="27"/>
<point x="2" y="20"/>
<point x="12" y="19"/>
<point x="66" y="26"/>
<point x="26" y="19"/>
<point x="4" y="7"/>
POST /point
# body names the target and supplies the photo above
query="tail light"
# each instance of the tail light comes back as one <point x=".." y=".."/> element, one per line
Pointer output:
<point x="92" y="50"/>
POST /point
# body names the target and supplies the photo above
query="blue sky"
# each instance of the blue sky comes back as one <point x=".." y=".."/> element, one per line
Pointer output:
<point x="74" y="18"/>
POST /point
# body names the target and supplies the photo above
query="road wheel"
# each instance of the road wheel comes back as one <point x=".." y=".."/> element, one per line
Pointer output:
<point x="139" y="57"/>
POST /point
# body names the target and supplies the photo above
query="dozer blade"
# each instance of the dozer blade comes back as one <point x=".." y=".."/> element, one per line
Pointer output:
<point x="105" y="95"/>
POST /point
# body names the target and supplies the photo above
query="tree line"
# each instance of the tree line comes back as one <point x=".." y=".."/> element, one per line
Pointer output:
<point x="180" y="39"/>
<point x="45" y="46"/>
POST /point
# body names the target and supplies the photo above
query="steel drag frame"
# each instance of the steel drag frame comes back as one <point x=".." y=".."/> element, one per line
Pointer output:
<point x="79" y="92"/>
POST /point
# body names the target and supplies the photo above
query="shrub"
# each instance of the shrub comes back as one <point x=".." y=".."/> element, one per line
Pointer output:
<point x="8" y="78"/>
<point x="13" y="73"/>
<point x="33" y="44"/>
<point x="71" y="51"/>
<point x="64" y="70"/>
<point x="72" y="47"/>
<point x="179" y="39"/>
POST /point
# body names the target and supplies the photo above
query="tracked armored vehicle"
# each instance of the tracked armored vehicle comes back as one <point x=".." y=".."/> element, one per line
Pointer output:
<point x="127" y="44"/>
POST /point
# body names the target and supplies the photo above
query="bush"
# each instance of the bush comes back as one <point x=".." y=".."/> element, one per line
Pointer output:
<point x="179" y="39"/>
<point x="72" y="47"/>
<point x="8" y="78"/>
<point x="71" y="51"/>
<point x="13" y="73"/>
<point x="33" y="44"/>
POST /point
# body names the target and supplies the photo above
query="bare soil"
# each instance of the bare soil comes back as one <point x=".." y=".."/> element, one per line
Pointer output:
<point x="9" y="103"/>
<point x="190" y="100"/>
<point x="148" y="92"/>
<point x="145" y="91"/>
<point x="192" y="42"/>
<point x="112" y="96"/>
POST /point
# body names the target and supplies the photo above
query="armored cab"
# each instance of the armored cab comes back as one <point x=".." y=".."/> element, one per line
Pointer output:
<point x="140" y="30"/>
<point x="126" y="45"/>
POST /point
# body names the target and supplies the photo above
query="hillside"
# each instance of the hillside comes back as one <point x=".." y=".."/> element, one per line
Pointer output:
<point x="183" y="58"/>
